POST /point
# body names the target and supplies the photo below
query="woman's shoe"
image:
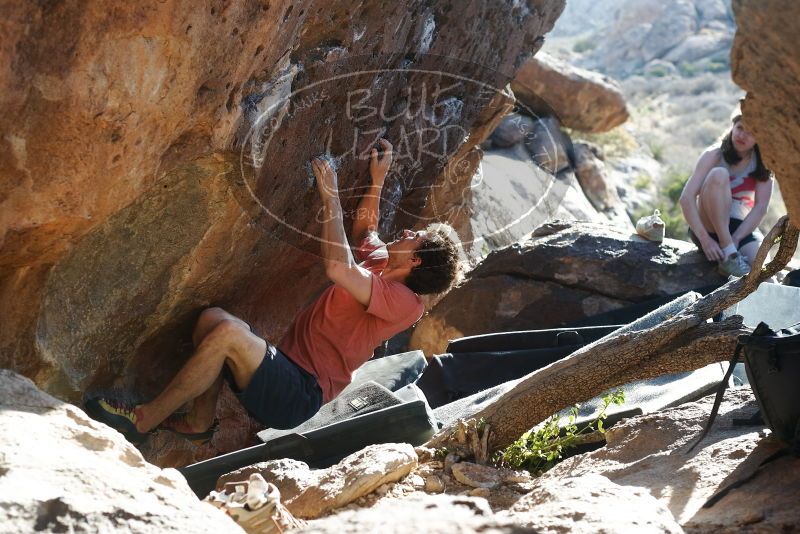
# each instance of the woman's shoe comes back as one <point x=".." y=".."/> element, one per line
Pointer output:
<point x="733" y="265"/>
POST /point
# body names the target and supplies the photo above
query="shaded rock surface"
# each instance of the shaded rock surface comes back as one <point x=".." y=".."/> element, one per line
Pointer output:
<point x="561" y="273"/>
<point x="64" y="472"/>
<point x="310" y="493"/>
<point x="765" y="61"/>
<point x="590" y="503"/>
<point x="513" y="129"/>
<point x="153" y="158"/>
<point x="581" y="99"/>
<point x="650" y="452"/>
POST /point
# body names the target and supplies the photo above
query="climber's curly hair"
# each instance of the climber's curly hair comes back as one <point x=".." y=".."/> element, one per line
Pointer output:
<point x="440" y="267"/>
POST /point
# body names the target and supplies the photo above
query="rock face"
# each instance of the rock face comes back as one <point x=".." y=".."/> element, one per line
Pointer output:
<point x="590" y="503"/>
<point x="650" y="452"/>
<point x="563" y="272"/>
<point x="764" y="61"/>
<point x="64" y="472"/>
<point x="625" y="37"/>
<point x="312" y="493"/>
<point x="581" y="99"/>
<point x="153" y="162"/>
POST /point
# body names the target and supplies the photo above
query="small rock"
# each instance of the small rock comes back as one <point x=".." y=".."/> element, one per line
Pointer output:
<point x="415" y="480"/>
<point x="450" y="460"/>
<point x="477" y="476"/>
<point x="510" y="476"/>
<point x="425" y="454"/>
<point x="383" y="489"/>
<point x="753" y="517"/>
<point x="480" y="492"/>
<point x="434" y="484"/>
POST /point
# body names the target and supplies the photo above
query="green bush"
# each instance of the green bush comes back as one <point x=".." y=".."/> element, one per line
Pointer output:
<point x="657" y="72"/>
<point x="584" y="45"/>
<point x="717" y="66"/>
<point x="673" y="184"/>
<point x="541" y="448"/>
<point x="643" y="181"/>
<point x="687" y="70"/>
<point x="657" y="149"/>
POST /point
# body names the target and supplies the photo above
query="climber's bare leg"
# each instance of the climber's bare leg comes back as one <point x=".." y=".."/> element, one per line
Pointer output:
<point x="228" y="343"/>
<point x="210" y="318"/>
<point x="201" y="416"/>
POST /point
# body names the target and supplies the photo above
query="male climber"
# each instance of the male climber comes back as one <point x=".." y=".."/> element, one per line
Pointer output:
<point x="374" y="296"/>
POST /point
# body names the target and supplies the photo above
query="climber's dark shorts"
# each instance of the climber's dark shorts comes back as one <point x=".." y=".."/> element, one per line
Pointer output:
<point x="281" y="394"/>
<point x="732" y="226"/>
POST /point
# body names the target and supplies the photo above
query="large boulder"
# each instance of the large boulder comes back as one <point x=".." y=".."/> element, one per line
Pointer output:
<point x="433" y="514"/>
<point x="590" y="503"/>
<point x="563" y="272"/>
<point x="153" y="162"/>
<point x="64" y="472"/>
<point x="765" y="61"/>
<point x="597" y="184"/>
<point x="581" y="99"/>
<point x="650" y="452"/>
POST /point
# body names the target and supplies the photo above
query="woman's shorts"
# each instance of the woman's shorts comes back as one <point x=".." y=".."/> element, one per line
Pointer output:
<point x="280" y="394"/>
<point x="733" y="224"/>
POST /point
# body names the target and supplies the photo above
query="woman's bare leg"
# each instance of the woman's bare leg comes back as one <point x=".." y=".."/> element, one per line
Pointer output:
<point x="714" y="204"/>
<point x="749" y="250"/>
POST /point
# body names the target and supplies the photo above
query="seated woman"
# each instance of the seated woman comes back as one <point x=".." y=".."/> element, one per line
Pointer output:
<point x="726" y="198"/>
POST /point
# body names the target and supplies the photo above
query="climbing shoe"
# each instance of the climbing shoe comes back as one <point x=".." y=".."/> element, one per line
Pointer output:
<point x="175" y="423"/>
<point x="733" y="265"/>
<point x="119" y="415"/>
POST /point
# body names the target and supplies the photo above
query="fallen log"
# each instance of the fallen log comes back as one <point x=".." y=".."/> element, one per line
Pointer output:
<point x="684" y="342"/>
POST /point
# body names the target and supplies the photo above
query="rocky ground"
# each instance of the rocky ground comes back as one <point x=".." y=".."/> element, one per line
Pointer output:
<point x="643" y="478"/>
<point x="125" y="209"/>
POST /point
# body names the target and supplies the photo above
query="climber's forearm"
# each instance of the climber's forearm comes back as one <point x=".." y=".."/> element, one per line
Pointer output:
<point x="367" y="214"/>
<point x="335" y="248"/>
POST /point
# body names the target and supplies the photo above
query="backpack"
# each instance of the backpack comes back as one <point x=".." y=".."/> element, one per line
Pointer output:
<point x="772" y="363"/>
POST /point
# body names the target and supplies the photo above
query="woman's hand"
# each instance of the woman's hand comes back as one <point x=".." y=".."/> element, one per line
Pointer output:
<point x="327" y="181"/>
<point x="379" y="167"/>
<point x="711" y="249"/>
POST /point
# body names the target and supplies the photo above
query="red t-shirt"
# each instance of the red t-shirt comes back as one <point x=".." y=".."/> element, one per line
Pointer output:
<point x="336" y="334"/>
